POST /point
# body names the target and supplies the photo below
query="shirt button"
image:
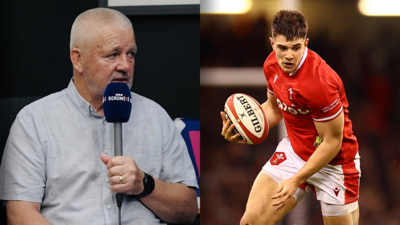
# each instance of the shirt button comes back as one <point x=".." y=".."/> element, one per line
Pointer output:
<point x="107" y="180"/>
<point x="104" y="122"/>
<point x="108" y="207"/>
<point x="106" y="151"/>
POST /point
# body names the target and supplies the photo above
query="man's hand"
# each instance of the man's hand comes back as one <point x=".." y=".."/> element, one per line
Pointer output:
<point x="132" y="176"/>
<point x="286" y="189"/>
<point x="227" y="129"/>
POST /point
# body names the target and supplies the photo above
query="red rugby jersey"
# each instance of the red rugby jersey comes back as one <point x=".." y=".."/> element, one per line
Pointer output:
<point x="314" y="93"/>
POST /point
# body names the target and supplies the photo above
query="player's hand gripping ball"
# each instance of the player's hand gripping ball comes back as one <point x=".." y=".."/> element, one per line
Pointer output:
<point x="248" y="117"/>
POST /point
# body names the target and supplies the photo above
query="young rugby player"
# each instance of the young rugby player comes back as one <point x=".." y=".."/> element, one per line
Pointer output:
<point x="320" y="151"/>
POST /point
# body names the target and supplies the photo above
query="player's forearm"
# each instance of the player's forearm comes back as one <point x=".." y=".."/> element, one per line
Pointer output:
<point x="172" y="202"/>
<point x="273" y="114"/>
<point x="19" y="212"/>
<point x="322" y="156"/>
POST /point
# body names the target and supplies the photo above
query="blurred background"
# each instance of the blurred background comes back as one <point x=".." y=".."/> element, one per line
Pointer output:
<point x="364" y="49"/>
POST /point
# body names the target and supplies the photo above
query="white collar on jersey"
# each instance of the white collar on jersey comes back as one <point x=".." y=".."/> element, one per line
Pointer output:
<point x="301" y="62"/>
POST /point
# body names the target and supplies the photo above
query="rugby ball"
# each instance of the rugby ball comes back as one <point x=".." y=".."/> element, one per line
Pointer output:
<point x="248" y="117"/>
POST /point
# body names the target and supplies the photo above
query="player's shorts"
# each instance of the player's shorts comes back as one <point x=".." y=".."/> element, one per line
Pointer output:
<point x="333" y="184"/>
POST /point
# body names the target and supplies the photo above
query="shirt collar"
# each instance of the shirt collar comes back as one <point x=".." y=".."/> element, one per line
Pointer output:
<point x="80" y="103"/>
<point x="301" y="62"/>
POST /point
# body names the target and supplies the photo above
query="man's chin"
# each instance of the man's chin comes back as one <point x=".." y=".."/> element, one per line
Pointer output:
<point x="127" y="82"/>
<point x="287" y="70"/>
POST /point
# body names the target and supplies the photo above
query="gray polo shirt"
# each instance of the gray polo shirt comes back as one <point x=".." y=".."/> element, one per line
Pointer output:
<point x="52" y="157"/>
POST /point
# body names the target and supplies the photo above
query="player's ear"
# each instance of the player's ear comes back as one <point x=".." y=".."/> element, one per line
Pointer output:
<point x="306" y="42"/>
<point x="271" y="41"/>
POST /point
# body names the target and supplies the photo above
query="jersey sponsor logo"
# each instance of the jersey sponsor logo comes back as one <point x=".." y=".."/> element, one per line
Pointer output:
<point x="284" y="107"/>
<point x="276" y="77"/>
<point x="278" y="158"/>
<point x="331" y="106"/>
<point x="336" y="190"/>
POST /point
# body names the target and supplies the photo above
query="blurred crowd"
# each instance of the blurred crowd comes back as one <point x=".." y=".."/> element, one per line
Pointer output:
<point x="370" y="73"/>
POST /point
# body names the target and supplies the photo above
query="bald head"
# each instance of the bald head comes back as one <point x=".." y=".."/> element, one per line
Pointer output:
<point x="85" y="25"/>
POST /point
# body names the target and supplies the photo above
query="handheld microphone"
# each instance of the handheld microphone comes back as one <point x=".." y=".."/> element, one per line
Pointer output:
<point x="117" y="108"/>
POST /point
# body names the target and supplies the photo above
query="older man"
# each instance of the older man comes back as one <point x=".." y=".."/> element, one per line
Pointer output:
<point x="58" y="166"/>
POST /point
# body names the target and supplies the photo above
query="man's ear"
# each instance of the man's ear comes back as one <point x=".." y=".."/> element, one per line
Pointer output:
<point x="76" y="59"/>
<point x="271" y="41"/>
<point x="306" y="42"/>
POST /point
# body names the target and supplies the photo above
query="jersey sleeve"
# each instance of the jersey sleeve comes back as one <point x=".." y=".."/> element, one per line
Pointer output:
<point x="270" y="89"/>
<point x="324" y="100"/>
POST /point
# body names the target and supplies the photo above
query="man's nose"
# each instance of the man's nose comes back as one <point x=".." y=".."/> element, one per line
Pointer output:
<point x="289" y="56"/>
<point x="124" y="63"/>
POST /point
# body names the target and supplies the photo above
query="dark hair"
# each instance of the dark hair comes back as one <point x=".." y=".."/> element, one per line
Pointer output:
<point x="289" y="23"/>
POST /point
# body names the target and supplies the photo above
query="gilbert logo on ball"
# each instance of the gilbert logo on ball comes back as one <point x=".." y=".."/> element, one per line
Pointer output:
<point x="248" y="117"/>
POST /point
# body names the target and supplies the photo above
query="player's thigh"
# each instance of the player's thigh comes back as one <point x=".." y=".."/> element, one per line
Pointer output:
<point x="259" y="209"/>
<point x="349" y="219"/>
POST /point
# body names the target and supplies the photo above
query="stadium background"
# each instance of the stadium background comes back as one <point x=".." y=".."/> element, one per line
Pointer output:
<point x="364" y="51"/>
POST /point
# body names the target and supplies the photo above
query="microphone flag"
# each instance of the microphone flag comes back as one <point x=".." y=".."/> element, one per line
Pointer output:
<point x="117" y="102"/>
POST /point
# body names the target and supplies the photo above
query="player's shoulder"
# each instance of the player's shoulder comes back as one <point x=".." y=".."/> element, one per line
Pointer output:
<point x="313" y="56"/>
<point x="271" y="65"/>
<point x="318" y="65"/>
<point x="318" y="73"/>
<point x="270" y="61"/>
<point x="318" y="70"/>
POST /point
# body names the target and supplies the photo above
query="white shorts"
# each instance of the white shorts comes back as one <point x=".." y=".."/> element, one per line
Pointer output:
<point x="333" y="184"/>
